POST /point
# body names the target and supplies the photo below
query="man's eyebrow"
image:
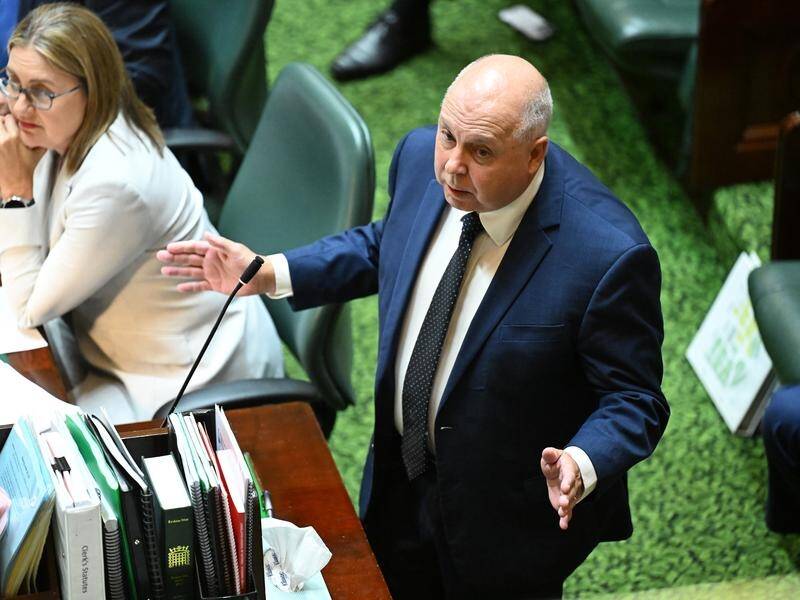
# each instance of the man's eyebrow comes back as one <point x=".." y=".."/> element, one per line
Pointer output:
<point x="479" y="140"/>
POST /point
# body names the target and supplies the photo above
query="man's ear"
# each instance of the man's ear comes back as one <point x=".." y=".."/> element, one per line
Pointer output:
<point x="538" y="152"/>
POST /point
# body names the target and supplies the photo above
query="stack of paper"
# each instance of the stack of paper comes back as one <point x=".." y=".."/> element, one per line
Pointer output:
<point x="12" y="338"/>
<point x="21" y="397"/>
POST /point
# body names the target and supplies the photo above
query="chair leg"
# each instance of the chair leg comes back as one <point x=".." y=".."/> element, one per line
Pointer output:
<point x="326" y="417"/>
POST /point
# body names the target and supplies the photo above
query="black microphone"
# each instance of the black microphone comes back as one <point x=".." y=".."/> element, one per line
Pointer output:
<point x="247" y="275"/>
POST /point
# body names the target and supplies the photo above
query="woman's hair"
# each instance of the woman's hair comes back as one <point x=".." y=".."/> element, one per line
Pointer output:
<point x="73" y="39"/>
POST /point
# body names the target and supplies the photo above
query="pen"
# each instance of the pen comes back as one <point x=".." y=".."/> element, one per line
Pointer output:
<point x="268" y="504"/>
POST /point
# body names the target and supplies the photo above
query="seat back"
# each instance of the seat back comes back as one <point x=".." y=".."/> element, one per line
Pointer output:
<point x="775" y="295"/>
<point x="222" y="48"/>
<point x="647" y="37"/>
<point x="308" y="172"/>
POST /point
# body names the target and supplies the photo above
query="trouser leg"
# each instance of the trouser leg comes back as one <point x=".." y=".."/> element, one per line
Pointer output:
<point x="781" y="432"/>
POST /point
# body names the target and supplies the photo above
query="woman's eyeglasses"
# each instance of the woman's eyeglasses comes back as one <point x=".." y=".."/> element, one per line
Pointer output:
<point x="39" y="97"/>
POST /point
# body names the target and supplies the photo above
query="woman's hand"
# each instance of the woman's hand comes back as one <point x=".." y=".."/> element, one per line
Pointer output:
<point x="17" y="161"/>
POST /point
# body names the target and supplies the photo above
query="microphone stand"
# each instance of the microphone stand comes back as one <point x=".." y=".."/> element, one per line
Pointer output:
<point x="247" y="275"/>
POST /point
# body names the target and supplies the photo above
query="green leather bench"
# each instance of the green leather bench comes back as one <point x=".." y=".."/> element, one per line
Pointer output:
<point x="648" y="37"/>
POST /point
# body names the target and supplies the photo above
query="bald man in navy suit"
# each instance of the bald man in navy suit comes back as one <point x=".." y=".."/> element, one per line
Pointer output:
<point x="519" y="360"/>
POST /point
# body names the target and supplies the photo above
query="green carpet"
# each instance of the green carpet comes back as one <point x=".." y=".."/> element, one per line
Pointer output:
<point x="698" y="502"/>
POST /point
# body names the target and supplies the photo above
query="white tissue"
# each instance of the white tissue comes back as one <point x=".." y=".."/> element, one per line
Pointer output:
<point x="292" y="554"/>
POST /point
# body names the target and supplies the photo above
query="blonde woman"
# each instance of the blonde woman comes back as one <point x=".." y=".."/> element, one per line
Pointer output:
<point x="89" y="194"/>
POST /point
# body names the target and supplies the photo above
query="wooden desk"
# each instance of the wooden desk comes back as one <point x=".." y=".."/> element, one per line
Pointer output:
<point x="38" y="366"/>
<point x="295" y="465"/>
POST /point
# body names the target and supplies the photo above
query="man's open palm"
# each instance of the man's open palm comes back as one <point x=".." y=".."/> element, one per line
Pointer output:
<point x="214" y="264"/>
<point x="564" y="483"/>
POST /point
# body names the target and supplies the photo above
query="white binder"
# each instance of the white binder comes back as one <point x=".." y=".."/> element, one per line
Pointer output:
<point x="77" y="525"/>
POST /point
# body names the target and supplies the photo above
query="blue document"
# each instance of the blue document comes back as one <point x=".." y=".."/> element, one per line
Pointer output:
<point x="25" y="478"/>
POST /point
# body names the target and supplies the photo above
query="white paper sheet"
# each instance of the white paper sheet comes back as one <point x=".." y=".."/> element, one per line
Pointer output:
<point x="12" y="338"/>
<point x="18" y="397"/>
<point x="727" y="352"/>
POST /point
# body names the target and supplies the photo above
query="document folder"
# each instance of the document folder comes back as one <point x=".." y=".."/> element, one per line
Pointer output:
<point x="151" y="442"/>
<point x="47" y="577"/>
<point x="155" y="442"/>
<point x="77" y="522"/>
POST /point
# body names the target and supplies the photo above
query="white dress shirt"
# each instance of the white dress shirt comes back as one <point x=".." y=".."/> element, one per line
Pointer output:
<point x="488" y="250"/>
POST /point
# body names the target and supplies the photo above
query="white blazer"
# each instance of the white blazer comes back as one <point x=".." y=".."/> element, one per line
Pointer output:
<point x="88" y="246"/>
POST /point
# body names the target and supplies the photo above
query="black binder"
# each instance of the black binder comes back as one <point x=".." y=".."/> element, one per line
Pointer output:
<point x="112" y="553"/>
<point x="130" y="514"/>
<point x="146" y="507"/>
<point x="138" y="493"/>
<point x="252" y="512"/>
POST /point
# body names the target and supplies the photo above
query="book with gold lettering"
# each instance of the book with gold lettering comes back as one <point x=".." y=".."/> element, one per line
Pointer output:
<point x="174" y="526"/>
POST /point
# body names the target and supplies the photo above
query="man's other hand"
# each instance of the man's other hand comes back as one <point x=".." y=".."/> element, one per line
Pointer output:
<point x="216" y="264"/>
<point x="564" y="483"/>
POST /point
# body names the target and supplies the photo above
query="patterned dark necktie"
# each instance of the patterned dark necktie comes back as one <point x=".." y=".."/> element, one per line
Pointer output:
<point x="424" y="361"/>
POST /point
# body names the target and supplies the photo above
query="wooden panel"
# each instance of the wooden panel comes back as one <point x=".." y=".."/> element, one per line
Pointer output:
<point x="748" y="79"/>
<point x="786" y="214"/>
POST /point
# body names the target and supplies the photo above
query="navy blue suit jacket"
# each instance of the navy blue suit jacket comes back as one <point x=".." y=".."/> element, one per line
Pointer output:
<point x="565" y="349"/>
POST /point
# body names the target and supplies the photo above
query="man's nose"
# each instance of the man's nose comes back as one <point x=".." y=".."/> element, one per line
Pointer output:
<point x="455" y="164"/>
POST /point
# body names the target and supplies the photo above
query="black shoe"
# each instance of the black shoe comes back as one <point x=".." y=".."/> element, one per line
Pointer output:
<point x="385" y="44"/>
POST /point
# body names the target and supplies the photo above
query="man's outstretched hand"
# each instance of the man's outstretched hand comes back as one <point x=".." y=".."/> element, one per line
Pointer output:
<point x="564" y="483"/>
<point x="214" y="263"/>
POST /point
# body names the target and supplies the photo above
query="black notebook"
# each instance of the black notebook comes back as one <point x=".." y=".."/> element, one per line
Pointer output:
<point x="137" y="510"/>
<point x="173" y="518"/>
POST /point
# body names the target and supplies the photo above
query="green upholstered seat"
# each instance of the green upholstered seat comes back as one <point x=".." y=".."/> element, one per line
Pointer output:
<point x="309" y="172"/>
<point x="223" y="56"/>
<point x="650" y="37"/>
<point x="222" y="49"/>
<point x="775" y="294"/>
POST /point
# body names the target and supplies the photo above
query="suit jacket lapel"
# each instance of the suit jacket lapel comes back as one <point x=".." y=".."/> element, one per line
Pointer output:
<point x="528" y="247"/>
<point x="425" y="222"/>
